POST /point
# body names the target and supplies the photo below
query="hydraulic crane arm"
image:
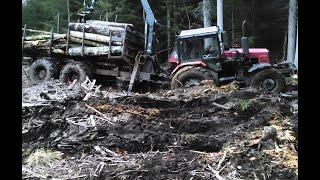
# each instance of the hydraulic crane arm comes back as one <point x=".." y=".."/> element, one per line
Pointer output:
<point x="87" y="9"/>
<point x="150" y="21"/>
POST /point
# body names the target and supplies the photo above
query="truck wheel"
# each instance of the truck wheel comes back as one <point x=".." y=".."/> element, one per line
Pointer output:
<point x="188" y="76"/>
<point x="42" y="70"/>
<point x="74" y="70"/>
<point x="268" y="80"/>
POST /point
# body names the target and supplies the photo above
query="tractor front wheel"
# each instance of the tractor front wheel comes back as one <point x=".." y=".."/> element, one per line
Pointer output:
<point x="268" y="80"/>
<point x="189" y="76"/>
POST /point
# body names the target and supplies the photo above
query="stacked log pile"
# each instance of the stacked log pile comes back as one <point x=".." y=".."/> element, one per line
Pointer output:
<point x="93" y="38"/>
<point x="37" y="43"/>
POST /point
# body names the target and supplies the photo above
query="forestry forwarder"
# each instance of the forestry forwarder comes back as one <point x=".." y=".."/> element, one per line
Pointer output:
<point x="123" y="54"/>
<point x="204" y="54"/>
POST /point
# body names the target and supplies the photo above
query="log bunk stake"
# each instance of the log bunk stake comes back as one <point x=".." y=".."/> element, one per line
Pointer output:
<point x="23" y="36"/>
<point x="82" y="42"/>
<point x="68" y="39"/>
<point x="51" y="39"/>
<point x="110" y="35"/>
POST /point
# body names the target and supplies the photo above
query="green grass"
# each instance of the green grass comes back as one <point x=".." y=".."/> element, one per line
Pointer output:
<point x="243" y="104"/>
<point x="43" y="157"/>
<point x="292" y="81"/>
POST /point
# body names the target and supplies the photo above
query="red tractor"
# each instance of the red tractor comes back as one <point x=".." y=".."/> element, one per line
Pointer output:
<point x="203" y="54"/>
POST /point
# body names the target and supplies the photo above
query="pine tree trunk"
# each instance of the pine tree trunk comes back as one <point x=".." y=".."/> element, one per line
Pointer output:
<point x="291" y="30"/>
<point x="168" y="26"/>
<point x="296" y="53"/>
<point x="206" y="8"/>
<point x="253" y="19"/>
<point x="174" y="16"/>
<point x="284" y="47"/>
<point x="107" y="18"/>
<point x="68" y="6"/>
<point x="219" y="14"/>
<point x="220" y="19"/>
<point x="232" y="23"/>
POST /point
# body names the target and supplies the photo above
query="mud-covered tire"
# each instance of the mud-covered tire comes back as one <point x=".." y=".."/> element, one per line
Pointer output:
<point x="188" y="72"/>
<point x="74" y="70"/>
<point x="268" y="80"/>
<point x="42" y="70"/>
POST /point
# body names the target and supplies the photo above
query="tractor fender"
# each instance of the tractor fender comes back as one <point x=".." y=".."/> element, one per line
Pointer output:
<point x="188" y="65"/>
<point x="259" y="66"/>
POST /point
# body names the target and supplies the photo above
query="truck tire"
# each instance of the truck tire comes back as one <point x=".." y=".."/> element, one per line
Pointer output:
<point x="74" y="70"/>
<point x="268" y="80"/>
<point x="188" y="75"/>
<point x="42" y="70"/>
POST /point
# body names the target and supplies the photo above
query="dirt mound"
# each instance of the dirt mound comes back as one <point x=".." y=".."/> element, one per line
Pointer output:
<point x="202" y="132"/>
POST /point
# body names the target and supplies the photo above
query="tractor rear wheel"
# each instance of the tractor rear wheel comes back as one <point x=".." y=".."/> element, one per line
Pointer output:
<point x="188" y="76"/>
<point x="74" y="70"/>
<point x="268" y="80"/>
<point x="42" y="70"/>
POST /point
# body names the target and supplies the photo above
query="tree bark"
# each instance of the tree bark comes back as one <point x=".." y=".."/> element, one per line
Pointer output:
<point x="37" y="31"/>
<point x="96" y="29"/>
<point x="58" y="51"/>
<point x="94" y="51"/>
<point x="42" y="37"/>
<point x="36" y="43"/>
<point x="85" y="42"/>
<point x="291" y="30"/>
<point x="104" y="23"/>
<point x="90" y="36"/>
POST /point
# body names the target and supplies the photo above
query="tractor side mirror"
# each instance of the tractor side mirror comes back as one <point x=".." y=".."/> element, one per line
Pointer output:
<point x="245" y="45"/>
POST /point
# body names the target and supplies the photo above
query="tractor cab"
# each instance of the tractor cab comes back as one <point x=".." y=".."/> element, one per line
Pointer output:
<point x="201" y="45"/>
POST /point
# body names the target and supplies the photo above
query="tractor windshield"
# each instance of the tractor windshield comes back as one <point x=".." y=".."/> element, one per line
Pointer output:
<point x="193" y="49"/>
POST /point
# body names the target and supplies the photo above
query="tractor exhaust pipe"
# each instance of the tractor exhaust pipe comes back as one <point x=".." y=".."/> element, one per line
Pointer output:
<point x="244" y="40"/>
<point x="243" y="28"/>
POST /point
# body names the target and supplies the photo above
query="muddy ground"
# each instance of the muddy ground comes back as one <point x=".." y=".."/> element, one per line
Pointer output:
<point x="203" y="132"/>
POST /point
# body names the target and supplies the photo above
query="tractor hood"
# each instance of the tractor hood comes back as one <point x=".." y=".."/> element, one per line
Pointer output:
<point x="261" y="54"/>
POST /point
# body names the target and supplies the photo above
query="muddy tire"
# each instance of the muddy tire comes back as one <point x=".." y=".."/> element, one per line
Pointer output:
<point x="189" y="75"/>
<point x="268" y="80"/>
<point x="42" y="70"/>
<point x="74" y="70"/>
